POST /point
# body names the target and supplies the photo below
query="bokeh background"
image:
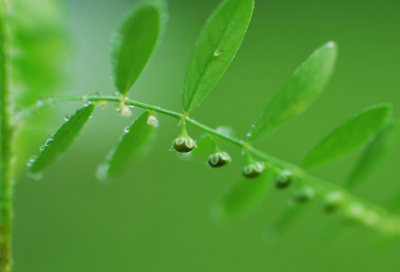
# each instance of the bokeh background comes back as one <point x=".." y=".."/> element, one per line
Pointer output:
<point x="157" y="216"/>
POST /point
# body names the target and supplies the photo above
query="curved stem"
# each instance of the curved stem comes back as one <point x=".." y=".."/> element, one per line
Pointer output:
<point x="373" y="216"/>
<point x="6" y="132"/>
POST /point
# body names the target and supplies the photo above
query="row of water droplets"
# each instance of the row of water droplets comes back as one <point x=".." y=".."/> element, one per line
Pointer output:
<point x="50" y="138"/>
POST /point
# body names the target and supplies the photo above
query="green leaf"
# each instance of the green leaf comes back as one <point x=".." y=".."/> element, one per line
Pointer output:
<point x="205" y="145"/>
<point x="215" y="49"/>
<point x="306" y="84"/>
<point x="134" y="144"/>
<point x="134" y="42"/>
<point x="288" y="219"/>
<point x="62" y="140"/>
<point x="377" y="150"/>
<point x="350" y="136"/>
<point x="245" y="195"/>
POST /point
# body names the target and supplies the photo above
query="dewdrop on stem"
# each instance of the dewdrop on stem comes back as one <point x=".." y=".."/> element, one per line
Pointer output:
<point x="152" y="121"/>
<point x="126" y="111"/>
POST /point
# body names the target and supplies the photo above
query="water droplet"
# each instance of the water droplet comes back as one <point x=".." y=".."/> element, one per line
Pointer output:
<point x="35" y="176"/>
<point x="248" y="134"/>
<point x="125" y="111"/>
<point x="39" y="103"/>
<point x="131" y="106"/>
<point x="51" y="137"/>
<point x="91" y="116"/>
<point x="118" y="94"/>
<point x="126" y="129"/>
<point x="42" y="148"/>
<point x="47" y="143"/>
<point x="218" y="52"/>
<point x="32" y="158"/>
<point x="50" y="100"/>
<point x="170" y="149"/>
<point x="152" y="121"/>
<point x="67" y="117"/>
<point x="29" y="164"/>
<point x="101" y="172"/>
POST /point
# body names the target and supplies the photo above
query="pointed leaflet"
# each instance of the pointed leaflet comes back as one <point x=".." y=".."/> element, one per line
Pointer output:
<point x="62" y="140"/>
<point x="133" y="145"/>
<point x="245" y="195"/>
<point x="376" y="152"/>
<point x="215" y="49"/>
<point x="135" y="41"/>
<point x="350" y="136"/>
<point x="306" y="84"/>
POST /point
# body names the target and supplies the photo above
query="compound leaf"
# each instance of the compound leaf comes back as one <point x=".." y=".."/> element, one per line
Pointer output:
<point x="215" y="49"/>
<point x="350" y="136"/>
<point x="62" y="140"/>
<point x="245" y="195"/>
<point x="134" y="42"/>
<point x="134" y="144"/>
<point x="377" y="150"/>
<point x="306" y="84"/>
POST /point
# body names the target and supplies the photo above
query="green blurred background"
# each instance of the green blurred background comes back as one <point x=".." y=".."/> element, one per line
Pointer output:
<point x="157" y="216"/>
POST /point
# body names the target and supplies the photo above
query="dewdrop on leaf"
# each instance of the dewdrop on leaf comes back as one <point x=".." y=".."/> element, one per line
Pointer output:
<point x="102" y="104"/>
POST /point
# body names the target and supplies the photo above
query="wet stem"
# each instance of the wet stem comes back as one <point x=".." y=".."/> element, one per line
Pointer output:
<point x="7" y="132"/>
<point x="388" y="223"/>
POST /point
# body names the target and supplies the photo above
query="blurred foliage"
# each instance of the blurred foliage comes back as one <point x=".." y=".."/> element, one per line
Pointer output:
<point x="40" y="53"/>
<point x="156" y="217"/>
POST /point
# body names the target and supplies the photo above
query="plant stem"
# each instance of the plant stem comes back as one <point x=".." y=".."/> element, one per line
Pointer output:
<point x="374" y="216"/>
<point x="6" y="132"/>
